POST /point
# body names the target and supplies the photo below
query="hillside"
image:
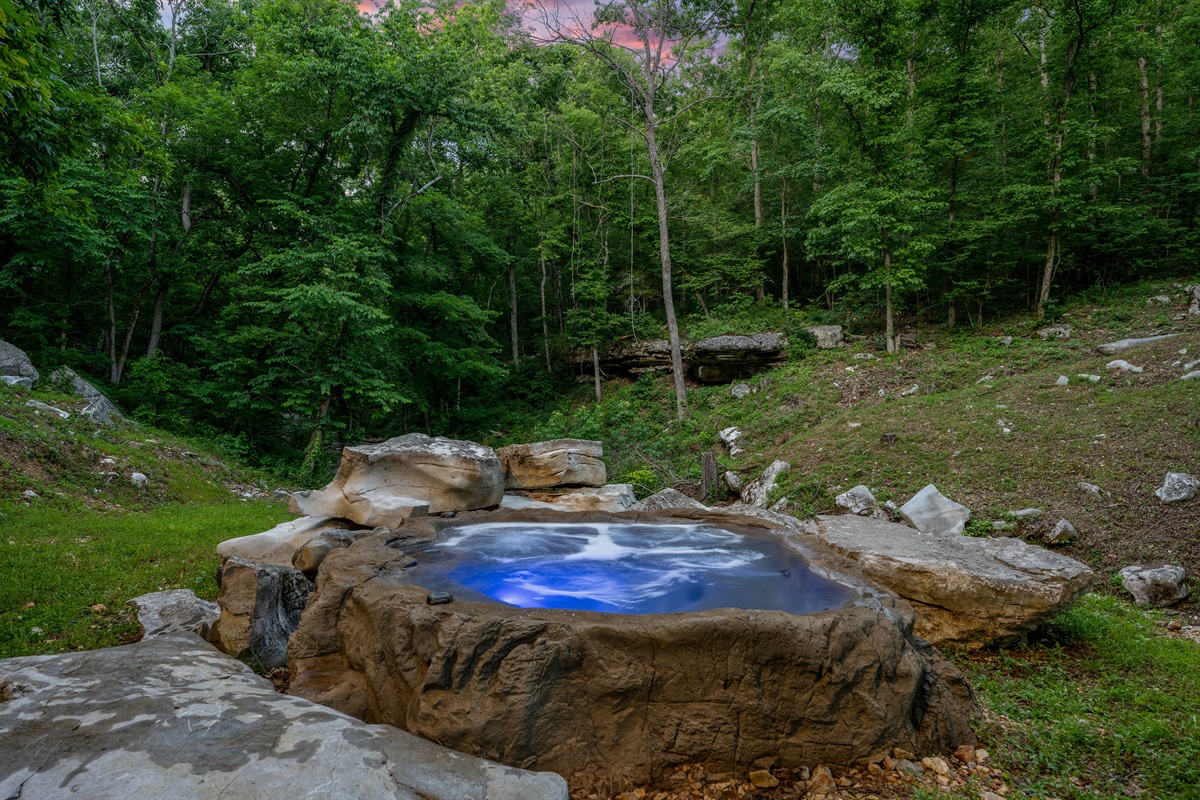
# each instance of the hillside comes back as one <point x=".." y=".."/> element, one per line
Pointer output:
<point x="826" y="410"/>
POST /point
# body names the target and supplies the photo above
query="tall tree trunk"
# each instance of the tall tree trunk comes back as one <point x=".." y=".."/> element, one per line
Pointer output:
<point x="111" y="335"/>
<point x="156" y="320"/>
<point x="512" y="311"/>
<point x="596" y="371"/>
<point x="1144" y="113"/>
<point x="664" y="254"/>
<point x="890" y="333"/>
<point x="785" y="276"/>
<point x="545" y="322"/>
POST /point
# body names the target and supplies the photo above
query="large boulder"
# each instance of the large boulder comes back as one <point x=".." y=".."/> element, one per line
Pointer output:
<point x="559" y="462"/>
<point x="610" y="497"/>
<point x="99" y="408"/>
<point x="1193" y="296"/>
<point x="930" y="511"/>
<point x="174" y="611"/>
<point x="1155" y="587"/>
<point x="613" y="697"/>
<point x="14" y="363"/>
<point x="965" y="590"/>
<point x="1178" y="487"/>
<point x="827" y="336"/>
<point x="721" y="359"/>
<point x="278" y="545"/>
<point x="407" y="476"/>
<point x="170" y="717"/>
<point x="260" y="610"/>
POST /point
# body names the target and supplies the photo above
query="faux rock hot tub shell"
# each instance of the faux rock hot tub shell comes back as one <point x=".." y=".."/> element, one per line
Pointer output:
<point x="624" y="696"/>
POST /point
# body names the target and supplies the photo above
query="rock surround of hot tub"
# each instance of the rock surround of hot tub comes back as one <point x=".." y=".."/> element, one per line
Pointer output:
<point x="611" y="696"/>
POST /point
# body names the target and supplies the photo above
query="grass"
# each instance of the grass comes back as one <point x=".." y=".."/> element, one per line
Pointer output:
<point x="1104" y="705"/>
<point x="65" y="575"/>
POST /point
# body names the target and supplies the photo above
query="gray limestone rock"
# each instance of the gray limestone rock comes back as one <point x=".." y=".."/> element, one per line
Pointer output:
<point x="1122" y="365"/>
<point x="1191" y="376"/>
<point x="1161" y="299"/>
<point x="1193" y="299"/>
<point x="1055" y="332"/>
<point x="733" y="482"/>
<point x="1155" y="587"/>
<point x="1026" y="514"/>
<point x="858" y="500"/>
<point x="1124" y="344"/>
<point x="783" y="520"/>
<point x="99" y="409"/>
<point x="731" y="437"/>
<point x="139" y="479"/>
<point x="173" y="611"/>
<point x="667" y="498"/>
<point x="930" y="511"/>
<point x="757" y="492"/>
<point x="740" y="390"/>
<point x="169" y="717"/>
<point x="15" y="363"/>
<point x="1062" y="532"/>
<point x="260" y="609"/>
<point x="40" y="406"/>
<point x="1062" y="380"/>
<point x="828" y="336"/>
<point x="17" y="380"/>
<point x="1178" y="487"/>
<point x="965" y="589"/>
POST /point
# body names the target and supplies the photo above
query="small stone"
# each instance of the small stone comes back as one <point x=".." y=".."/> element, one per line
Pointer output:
<point x="900" y="754"/>
<point x="1122" y="365"/>
<point x="36" y="629"/>
<point x="1161" y="299"/>
<point x="139" y="480"/>
<point x="1062" y="380"/>
<point x="985" y="379"/>
<point x="822" y="782"/>
<point x="1091" y="488"/>
<point x="763" y="779"/>
<point x="1026" y="514"/>
<point x="1178" y="487"/>
<point x="740" y="390"/>
<point x="439" y="598"/>
<point x="982" y="755"/>
<point x="1055" y="332"/>
<point x="986" y="795"/>
<point x="1088" y="377"/>
<point x="858" y="500"/>
<point x="779" y="506"/>
<point x="731" y="438"/>
<point x="1001" y="525"/>
<point x="964" y="753"/>
<point x="732" y="482"/>
<point x="937" y="764"/>
<point x="903" y="765"/>
<point x="910" y="391"/>
<point x="1155" y="587"/>
<point x="929" y="511"/>
<point x="1062" y="533"/>
<point x="1191" y="376"/>
<point x="30" y="494"/>
<point x="1174" y="625"/>
<point x="99" y="608"/>
<point x="1006" y="341"/>
<point x="37" y="405"/>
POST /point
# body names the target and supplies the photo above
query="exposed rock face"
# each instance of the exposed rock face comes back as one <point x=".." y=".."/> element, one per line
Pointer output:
<point x="386" y="483"/>
<point x="610" y="497"/>
<point x="965" y="590"/>
<point x="170" y="717"/>
<point x="719" y="359"/>
<point x="99" y="408"/>
<point x="858" y="500"/>
<point x="610" y="696"/>
<point x="279" y="545"/>
<point x="1155" y="587"/>
<point x="1178" y="487"/>
<point x="758" y="491"/>
<point x="1194" y="299"/>
<point x="667" y="498"/>
<point x="1125" y="344"/>
<point x="15" y="363"/>
<point x="260" y="609"/>
<point x="828" y="336"/>
<point x="174" y="611"/>
<point x="559" y="462"/>
<point x="930" y="511"/>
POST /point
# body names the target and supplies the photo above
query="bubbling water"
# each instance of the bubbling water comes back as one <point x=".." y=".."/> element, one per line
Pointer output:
<point x="622" y="568"/>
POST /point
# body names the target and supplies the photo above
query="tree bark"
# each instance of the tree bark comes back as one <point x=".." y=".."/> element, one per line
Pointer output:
<point x="545" y="323"/>
<point x="785" y="276"/>
<point x="891" y="326"/>
<point x="1144" y="113"/>
<point x="664" y="254"/>
<point x="512" y="311"/>
<point x="156" y="320"/>
<point x="596" y="371"/>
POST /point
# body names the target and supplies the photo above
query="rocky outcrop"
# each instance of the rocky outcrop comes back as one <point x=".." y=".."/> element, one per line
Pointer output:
<point x="965" y="590"/>
<point x="170" y="717"/>
<point x="758" y="491"/>
<point x="278" y="545"/>
<point x="559" y="462"/>
<point x="827" y="336"/>
<point x="386" y="483"/>
<point x="610" y="497"/>
<point x="667" y="498"/>
<point x="260" y="609"/>
<point x="1124" y="344"/>
<point x="719" y="359"/>
<point x="174" y="611"/>
<point x="15" y="364"/>
<point x="99" y="409"/>
<point x="624" y="697"/>
<point x="1155" y="587"/>
<point x="930" y="511"/>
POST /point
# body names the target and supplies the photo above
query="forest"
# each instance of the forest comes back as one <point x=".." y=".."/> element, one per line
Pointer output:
<point x="285" y="224"/>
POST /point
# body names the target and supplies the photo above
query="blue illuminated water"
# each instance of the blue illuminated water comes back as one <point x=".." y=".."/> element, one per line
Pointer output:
<point x="622" y="568"/>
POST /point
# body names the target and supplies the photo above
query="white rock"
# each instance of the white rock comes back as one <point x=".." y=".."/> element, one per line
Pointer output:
<point x="1026" y="514"/>
<point x="757" y="491"/>
<point x="1177" y="487"/>
<point x="17" y="380"/>
<point x="1125" y="344"/>
<point x="1091" y="488"/>
<point x="858" y="500"/>
<point x="1062" y="532"/>
<point x="666" y="500"/>
<point x="1122" y="365"/>
<point x="139" y="480"/>
<point x="1055" y="332"/>
<point x="985" y="379"/>
<point x="1191" y="365"/>
<point x="740" y="390"/>
<point x="1155" y="587"/>
<point x="15" y="363"/>
<point x="732" y="482"/>
<point x="1062" y="380"/>
<point x="828" y="336"/>
<point x="37" y="405"/>
<point x="731" y="437"/>
<point x="1161" y="299"/>
<point x="930" y="511"/>
<point x="779" y="506"/>
<point x="610" y="497"/>
<point x="558" y="462"/>
<point x="910" y="391"/>
<point x="1087" y="377"/>
<point x="172" y="611"/>
<point x="29" y="494"/>
<point x="1191" y="376"/>
<point x="279" y="544"/>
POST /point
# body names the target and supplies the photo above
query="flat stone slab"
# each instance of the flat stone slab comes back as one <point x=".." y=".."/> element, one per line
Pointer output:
<point x="279" y="544"/>
<point x="667" y="499"/>
<point x="170" y="717"/>
<point x="965" y="590"/>
<point x="610" y="497"/>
